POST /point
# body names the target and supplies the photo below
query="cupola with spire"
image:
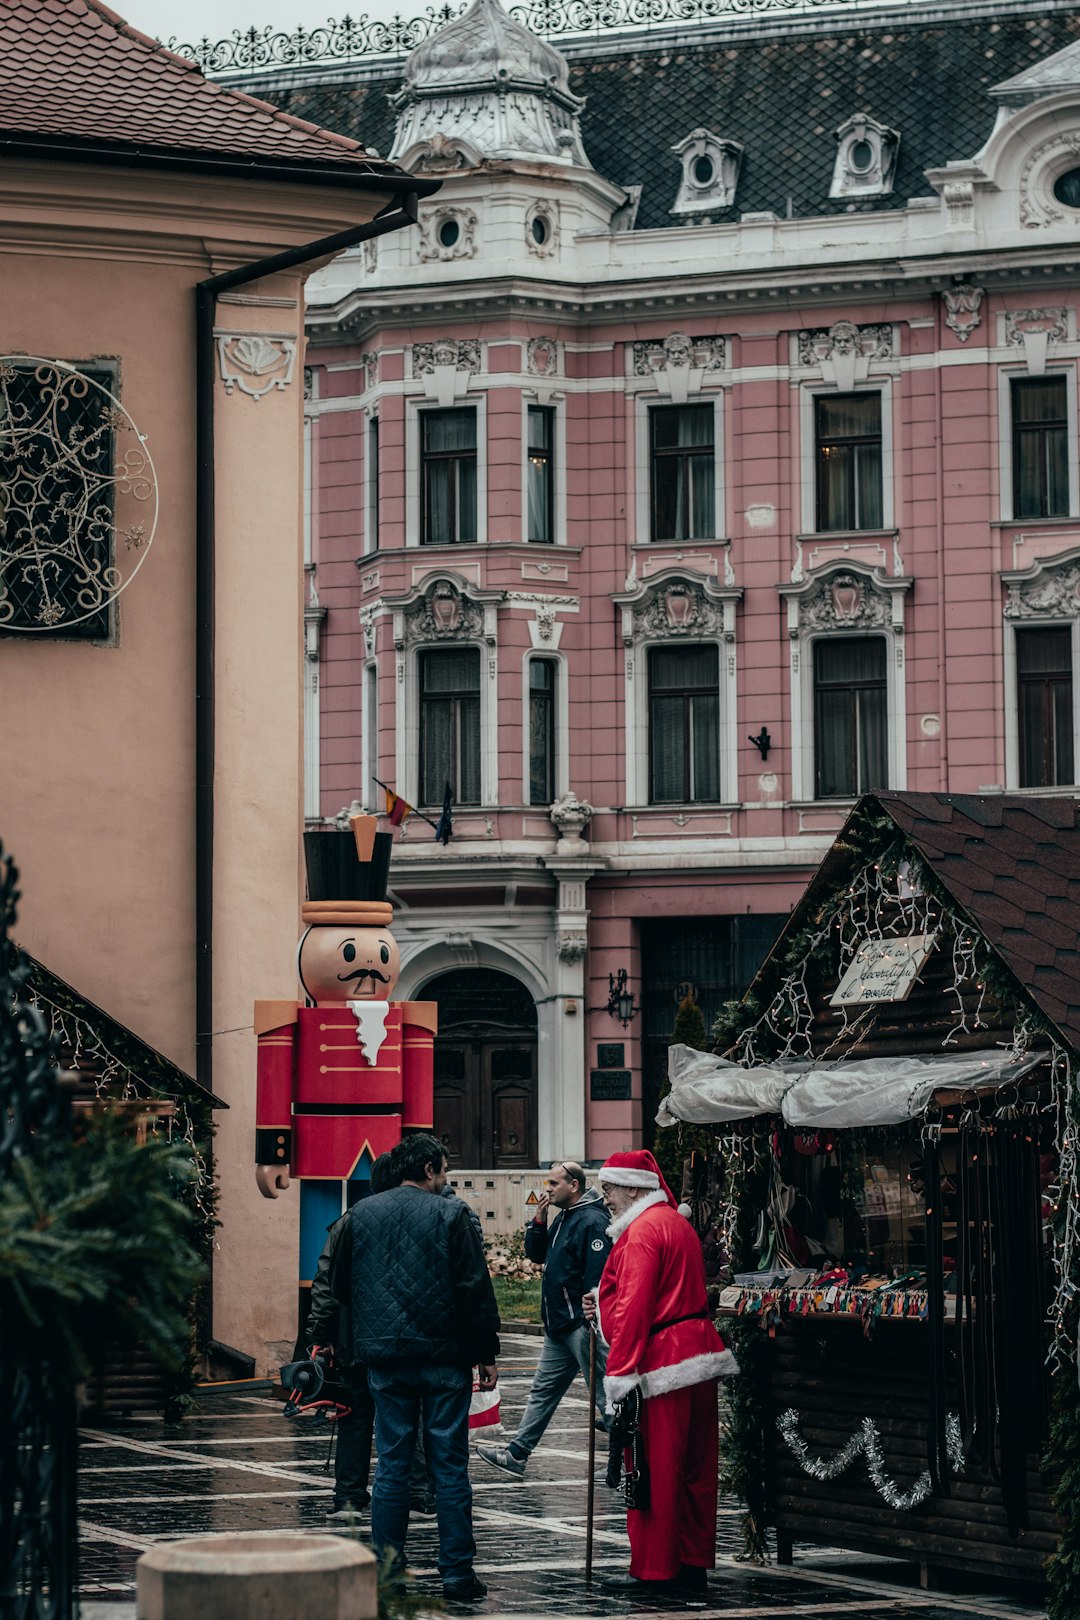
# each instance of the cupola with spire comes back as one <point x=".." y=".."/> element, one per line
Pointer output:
<point x="484" y="88"/>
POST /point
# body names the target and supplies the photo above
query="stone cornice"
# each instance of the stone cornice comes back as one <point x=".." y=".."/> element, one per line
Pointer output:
<point x="813" y="286"/>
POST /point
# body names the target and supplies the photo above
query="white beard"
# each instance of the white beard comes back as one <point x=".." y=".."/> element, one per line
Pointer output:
<point x="370" y="1025"/>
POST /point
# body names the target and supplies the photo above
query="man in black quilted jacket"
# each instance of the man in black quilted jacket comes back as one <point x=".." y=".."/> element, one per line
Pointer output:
<point x="423" y="1315"/>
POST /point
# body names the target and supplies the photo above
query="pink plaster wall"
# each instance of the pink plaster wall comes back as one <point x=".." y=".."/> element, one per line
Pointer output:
<point x="948" y="537"/>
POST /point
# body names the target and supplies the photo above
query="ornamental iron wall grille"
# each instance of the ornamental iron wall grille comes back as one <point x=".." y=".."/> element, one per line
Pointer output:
<point x="78" y="498"/>
<point x="253" y="50"/>
<point x="37" y="1414"/>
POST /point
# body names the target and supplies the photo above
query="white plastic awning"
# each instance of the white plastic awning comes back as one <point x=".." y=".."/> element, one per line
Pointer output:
<point x="707" y="1090"/>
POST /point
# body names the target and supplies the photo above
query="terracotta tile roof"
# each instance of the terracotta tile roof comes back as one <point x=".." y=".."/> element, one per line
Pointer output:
<point x="73" y="71"/>
<point x="1013" y="865"/>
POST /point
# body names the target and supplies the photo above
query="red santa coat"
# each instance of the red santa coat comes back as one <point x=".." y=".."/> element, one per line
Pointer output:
<point x="653" y="1308"/>
<point x="653" y="1312"/>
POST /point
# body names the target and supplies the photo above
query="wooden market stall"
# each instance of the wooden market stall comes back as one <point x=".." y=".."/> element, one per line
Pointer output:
<point x="892" y="1114"/>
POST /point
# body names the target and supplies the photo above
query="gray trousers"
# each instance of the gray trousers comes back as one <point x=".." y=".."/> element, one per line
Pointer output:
<point x="561" y="1359"/>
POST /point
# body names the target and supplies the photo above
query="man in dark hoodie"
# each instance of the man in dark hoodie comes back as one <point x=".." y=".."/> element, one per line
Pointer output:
<point x="573" y="1252"/>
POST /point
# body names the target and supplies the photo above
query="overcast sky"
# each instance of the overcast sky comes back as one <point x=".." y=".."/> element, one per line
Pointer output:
<point x="189" y="20"/>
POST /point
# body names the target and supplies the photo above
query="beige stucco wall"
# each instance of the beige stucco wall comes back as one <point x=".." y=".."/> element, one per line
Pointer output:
<point x="97" y="742"/>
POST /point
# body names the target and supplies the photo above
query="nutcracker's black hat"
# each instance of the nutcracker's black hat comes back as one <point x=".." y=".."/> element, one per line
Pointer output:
<point x="347" y="869"/>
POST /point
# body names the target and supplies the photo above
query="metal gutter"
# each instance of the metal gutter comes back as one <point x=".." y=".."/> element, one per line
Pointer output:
<point x="378" y="176"/>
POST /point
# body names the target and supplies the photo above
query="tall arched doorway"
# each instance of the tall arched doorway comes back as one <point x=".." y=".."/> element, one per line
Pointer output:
<point x="485" y="1069"/>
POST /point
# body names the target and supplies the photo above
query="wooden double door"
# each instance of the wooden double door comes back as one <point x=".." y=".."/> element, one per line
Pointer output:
<point x="485" y="1070"/>
<point x="485" y="1103"/>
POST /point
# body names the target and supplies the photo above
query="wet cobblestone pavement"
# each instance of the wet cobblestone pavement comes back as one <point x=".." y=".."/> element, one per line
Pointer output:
<point x="237" y="1465"/>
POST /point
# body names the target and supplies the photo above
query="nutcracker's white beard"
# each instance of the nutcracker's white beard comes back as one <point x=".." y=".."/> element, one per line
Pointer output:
<point x="370" y="1025"/>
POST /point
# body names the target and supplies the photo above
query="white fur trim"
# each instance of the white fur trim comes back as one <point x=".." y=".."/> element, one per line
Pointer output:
<point x="602" y="1336"/>
<point x="638" y="1207"/>
<point x="618" y="1386"/>
<point x="696" y="1370"/>
<point x="616" y="1177"/>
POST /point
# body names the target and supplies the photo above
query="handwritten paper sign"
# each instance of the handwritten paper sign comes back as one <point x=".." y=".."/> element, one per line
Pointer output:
<point x="883" y="970"/>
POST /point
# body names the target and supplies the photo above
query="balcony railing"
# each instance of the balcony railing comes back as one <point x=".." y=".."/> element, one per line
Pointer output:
<point x="354" y="38"/>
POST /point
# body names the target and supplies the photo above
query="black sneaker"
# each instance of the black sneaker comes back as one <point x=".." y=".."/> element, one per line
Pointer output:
<point x="466" y="1591"/>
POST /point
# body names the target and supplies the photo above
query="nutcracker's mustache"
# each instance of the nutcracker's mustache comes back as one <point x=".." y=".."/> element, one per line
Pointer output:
<point x="363" y="973"/>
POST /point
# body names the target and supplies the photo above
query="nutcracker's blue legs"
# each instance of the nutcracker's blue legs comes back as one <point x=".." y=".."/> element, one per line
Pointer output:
<point x="320" y="1206"/>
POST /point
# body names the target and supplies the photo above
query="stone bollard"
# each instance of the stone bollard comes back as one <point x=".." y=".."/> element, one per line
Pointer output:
<point x="261" y="1576"/>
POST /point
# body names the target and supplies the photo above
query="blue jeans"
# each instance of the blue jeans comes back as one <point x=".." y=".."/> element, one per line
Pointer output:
<point x="564" y="1355"/>
<point x="438" y="1398"/>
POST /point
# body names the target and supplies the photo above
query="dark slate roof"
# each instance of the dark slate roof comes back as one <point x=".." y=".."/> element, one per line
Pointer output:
<point x="781" y="95"/>
<point x="72" y="72"/>
<point x="1012" y="864"/>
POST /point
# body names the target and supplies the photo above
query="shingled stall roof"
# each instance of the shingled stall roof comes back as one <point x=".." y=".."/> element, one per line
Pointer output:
<point x="781" y="92"/>
<point x="1011" y="865"/>
<point x="75" y="76"/>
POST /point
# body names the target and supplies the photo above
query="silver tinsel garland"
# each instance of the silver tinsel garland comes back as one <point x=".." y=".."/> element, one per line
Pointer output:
<point x="867" y="1442"/>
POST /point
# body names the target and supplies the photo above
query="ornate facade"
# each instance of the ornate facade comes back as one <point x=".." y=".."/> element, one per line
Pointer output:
<point x="668" y="489"/>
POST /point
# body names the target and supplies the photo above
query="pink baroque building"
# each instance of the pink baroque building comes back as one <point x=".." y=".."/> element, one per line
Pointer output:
<point x="708" y="455"/>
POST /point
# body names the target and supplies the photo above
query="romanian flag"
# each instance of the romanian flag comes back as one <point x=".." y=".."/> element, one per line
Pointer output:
<point x="397" y="808"/>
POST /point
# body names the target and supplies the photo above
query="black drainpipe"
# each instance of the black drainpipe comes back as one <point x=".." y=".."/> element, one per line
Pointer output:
<point x="398" y="212"/>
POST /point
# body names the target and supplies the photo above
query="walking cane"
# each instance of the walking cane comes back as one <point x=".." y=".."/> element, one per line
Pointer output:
<point x="592" y="1457"/>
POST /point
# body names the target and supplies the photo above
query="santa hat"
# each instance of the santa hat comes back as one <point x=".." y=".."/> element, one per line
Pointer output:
<point x="637" y="1169"/>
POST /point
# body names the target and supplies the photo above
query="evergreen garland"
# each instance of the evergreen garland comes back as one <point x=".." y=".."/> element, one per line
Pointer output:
<point x="674" y="1145"/>
<point x="96" y="1249"/>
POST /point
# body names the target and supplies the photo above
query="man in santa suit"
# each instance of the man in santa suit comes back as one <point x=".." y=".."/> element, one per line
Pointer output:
<point x="652" y="1312"/>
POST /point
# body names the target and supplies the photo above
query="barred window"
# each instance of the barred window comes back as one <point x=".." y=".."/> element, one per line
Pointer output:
<point x="59" y="487"/>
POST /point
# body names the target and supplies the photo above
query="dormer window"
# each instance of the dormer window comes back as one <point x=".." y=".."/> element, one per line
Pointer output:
<point x="710" y="174"/>
<point x="866" y="153"/>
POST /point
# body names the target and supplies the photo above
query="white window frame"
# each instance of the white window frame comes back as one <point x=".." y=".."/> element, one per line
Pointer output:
<point x="643" y="405"/>
<point x="803" y="763"/>
<point x="1006" y="376"/>
<point x="1012" y="699"/>
<point x="808" y="393"/>
<point x="557" y="404"/>
<point x="407" y="739"/>
<point x="370" y="486"/>
<point x="413" y="499"/>
<point x="637" y="724"/>
<point x="369" y="733"/>
<point x="562" y="723"/>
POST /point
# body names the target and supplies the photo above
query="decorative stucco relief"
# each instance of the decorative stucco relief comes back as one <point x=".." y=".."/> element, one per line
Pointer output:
<point x="679" y="364"/>
<point x="1038" y="205"/>
<point x="962" y="310"/>
<point x="445" y="366"/>
<point x="845" y="352"/>
<point x="843" y="602"/>
<point x="447" y="232"/>
<point x="1052" y="593"/>
<point x="443" y="613"/>
<point x="255" y="362"/>
<point x="542" y="356"/>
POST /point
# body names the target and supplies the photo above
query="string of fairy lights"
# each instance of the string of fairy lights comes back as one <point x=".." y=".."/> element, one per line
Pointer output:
<point x="889" y="897"/>
<point x="115" y="1081"/>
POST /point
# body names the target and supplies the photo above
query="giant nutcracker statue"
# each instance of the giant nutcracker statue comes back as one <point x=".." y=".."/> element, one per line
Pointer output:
<point x="344" y="1073"/>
